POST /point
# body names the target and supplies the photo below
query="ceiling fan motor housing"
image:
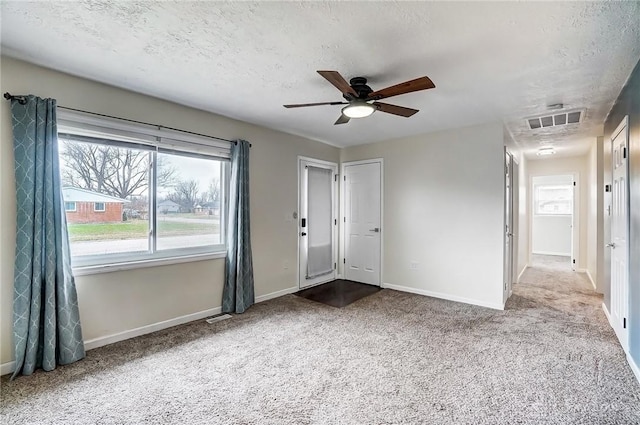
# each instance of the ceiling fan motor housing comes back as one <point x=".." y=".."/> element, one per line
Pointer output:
<point x="359" y="84"/>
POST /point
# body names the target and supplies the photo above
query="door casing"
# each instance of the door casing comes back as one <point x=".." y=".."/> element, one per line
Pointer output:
<point x="302" y="161"/>
<point x="617" y="317"/>
<point x="509" y="238"/>
<point x="575" y="216"/>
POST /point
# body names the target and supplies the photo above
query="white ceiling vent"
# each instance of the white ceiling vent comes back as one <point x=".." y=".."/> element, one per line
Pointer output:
<point x="556" y="119"/>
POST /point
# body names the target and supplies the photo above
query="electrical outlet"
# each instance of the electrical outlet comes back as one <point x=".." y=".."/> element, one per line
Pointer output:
<point x="414" y="265"/>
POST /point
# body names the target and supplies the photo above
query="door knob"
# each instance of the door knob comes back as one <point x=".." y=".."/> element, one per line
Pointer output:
<point x="376" y="230"/>
<point x="610" y="245"/>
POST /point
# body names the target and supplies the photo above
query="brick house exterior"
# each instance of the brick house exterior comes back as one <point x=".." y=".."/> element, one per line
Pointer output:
<point x="85" y="206"/>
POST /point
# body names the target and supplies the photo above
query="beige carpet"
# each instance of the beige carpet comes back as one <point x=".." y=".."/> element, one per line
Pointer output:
<point x="390" y="358"/>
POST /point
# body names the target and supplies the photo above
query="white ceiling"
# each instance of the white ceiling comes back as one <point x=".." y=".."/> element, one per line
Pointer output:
<point x="489" y="61"/>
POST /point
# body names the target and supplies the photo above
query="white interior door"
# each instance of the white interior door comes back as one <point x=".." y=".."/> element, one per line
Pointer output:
<point x="362" y="218"/>
<point x="515" y="220"/>
<point x="317" y="223"/>
<point x="508" y="225"/>
<point x="619" y="236"/>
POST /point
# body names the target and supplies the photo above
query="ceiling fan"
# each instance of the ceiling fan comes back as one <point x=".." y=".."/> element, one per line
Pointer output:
<point x="359" y="96"/>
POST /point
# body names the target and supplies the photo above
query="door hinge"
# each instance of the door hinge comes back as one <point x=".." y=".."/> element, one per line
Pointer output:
<point x="335" y="222"/>
<point x="344" y="261"/>
<point x="345" y="219"/>
<point x="607" y="188"/>
<point x="573" y="261"/>
<point x="334" y="266"/>
<point x="624" y="323"/>
<point x="574" y="183"/>
<point x="335" y="178"/>
<point x="624" y="152"/>
<point x="345" y="178"/>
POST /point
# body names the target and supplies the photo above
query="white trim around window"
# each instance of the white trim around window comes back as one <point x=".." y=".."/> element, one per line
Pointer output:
<point x="189" y="235"/>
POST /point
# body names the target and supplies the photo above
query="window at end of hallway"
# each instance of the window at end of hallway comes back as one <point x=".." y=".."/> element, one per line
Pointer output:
<point x="553" y="200"/>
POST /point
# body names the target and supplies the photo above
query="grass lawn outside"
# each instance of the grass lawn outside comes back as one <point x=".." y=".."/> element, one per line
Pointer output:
<point x="136" y="229"/>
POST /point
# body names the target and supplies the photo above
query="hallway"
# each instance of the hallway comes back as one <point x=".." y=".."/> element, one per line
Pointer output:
<point x="576" y="344"/>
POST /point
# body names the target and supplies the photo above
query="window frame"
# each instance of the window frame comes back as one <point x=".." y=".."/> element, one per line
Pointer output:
<point x="95" y="207"/>
<point x="109" y="132"/>
<point x="75" y="206"/>
<point x="537" y="201"/>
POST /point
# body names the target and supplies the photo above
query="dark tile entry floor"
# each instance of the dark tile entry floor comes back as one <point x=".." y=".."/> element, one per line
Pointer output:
<point x="338" y="293"/>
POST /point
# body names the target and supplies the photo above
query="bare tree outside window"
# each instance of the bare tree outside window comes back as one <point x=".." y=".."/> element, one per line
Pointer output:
<point x="185" y="193"/>
<point x="110" y="170"/>
<point x="117" y="203"/>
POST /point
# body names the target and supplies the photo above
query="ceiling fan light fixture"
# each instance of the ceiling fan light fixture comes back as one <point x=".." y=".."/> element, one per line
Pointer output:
<point x="358" y="110"/>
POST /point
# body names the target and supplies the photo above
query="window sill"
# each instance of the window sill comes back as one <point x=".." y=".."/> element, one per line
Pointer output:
<point x="141" y="264"/>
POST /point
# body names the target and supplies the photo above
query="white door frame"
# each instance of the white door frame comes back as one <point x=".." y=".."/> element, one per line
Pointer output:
<point x="335" y="195"/>
<point x="509" y="235"/>
<point x="515" y="220"/>
<point x="341" y="216"/>
<point x="575" y="216"/>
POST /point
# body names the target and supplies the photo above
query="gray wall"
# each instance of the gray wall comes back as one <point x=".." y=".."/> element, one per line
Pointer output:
<point x="119" y="302"/>
<point x="443" y="209"/>
<point x="628" y="103"/>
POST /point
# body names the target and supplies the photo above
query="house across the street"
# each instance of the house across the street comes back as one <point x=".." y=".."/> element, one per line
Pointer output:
<point x="168" y="206"/>
<point x="86" y="206"/>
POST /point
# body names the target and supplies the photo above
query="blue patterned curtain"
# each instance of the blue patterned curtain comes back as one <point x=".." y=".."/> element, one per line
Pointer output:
<point x="46" y="323"/>
<point x="238" y="294"/>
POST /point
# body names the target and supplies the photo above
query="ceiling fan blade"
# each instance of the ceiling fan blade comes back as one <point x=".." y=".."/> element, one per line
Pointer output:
<point x="394" y="109"/>
<point x="302" y="105"/>
<point x="422" y="83"/>
<point x="342" y="120"/>
<point x="339" y="82"/>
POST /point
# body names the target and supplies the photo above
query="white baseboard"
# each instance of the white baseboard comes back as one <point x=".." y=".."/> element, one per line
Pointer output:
<point x="90" y="344"/>
<point x="634" y="367"/>
<point x="276" y="294"/>
<point x="524" y="269"/>
<point x="591" y="279"/>
<point x="606" y="313"/>
<point x="559" y="254"/>
<point x="443" y="296"/>
<point x="6" y="368"/>
<point x="147" y="329"/>
<point x="632" y="363"/>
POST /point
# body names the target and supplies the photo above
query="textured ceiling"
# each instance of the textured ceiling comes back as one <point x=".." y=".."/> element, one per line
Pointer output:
<point x="489" y="61"/>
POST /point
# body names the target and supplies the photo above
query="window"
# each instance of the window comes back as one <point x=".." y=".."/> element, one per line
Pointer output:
<point x="554" y="199"/>
<point x="153" y="197"/>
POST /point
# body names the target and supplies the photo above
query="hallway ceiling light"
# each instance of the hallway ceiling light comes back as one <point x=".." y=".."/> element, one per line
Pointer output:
<point x="545" y="151"/>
